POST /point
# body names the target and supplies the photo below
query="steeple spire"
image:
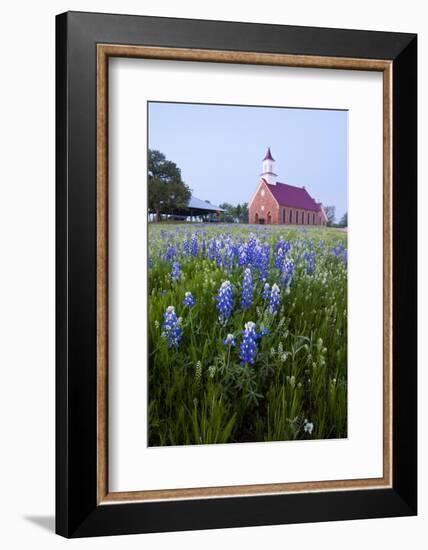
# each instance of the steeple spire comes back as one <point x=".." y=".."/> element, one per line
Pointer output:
<point x="268" y="155"/>
<point x="268" y="174"/>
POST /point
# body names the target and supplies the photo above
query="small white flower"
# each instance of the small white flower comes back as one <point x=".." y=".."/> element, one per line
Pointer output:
<point x="308" y="427"/>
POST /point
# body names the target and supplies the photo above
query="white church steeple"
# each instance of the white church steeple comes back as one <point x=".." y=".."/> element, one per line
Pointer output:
<point x="268" y="173"/>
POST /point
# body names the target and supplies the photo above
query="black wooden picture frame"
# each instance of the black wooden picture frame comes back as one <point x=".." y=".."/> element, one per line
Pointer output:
<point x="79" y="512"/>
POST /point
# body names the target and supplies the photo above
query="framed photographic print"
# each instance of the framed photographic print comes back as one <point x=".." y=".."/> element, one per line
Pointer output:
<point x="236" y="274"/>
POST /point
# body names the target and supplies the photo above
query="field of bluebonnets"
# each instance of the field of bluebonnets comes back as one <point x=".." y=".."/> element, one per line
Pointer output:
<point x="247" y="333"/>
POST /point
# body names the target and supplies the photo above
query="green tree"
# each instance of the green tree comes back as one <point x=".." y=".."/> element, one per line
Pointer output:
<point x="228" y="216"/>
<point x="234" y="214"/>
<point x="167" y="191"/>
<point x="330" y="212"/>
<point x="344" y="220"/>
<point x="243" y="216"/>
<point x="238" y="212"/>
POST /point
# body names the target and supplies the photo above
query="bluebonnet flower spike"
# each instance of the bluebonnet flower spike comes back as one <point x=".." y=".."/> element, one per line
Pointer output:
<point x="230" y="340"/>
<point x="176" y="271"/>
<point x="224" y="301"/>
<point x="171" y="327"/>
<point x="274" y="298"/>
<point x="247" y="289"/>
<point x="248" y="349"/>
<point x="189" y="300"/>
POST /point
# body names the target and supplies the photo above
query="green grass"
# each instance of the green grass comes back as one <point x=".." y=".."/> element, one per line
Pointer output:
<point x="199" y="392"/>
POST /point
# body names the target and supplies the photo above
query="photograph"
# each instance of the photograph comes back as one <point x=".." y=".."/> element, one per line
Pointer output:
<point x="247" y="273"/>
<point x="213" y="258"/>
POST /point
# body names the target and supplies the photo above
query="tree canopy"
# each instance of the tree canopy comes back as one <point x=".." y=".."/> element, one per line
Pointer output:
<point x="232" y="214"/>
<point x="330" y="212"/>
<point x="344" y="220"/>
<point x="167" y="191"/>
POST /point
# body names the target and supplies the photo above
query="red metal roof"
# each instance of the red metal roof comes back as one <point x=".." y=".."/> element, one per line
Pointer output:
<point x="268" y="155"/>
<point x="297" y="197"/>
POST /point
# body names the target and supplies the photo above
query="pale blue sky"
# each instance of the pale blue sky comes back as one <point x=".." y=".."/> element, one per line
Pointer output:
<point x="220" y="148"/>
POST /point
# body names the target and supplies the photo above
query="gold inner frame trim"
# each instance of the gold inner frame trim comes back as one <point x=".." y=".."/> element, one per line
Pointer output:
<point x="104" y="51"/>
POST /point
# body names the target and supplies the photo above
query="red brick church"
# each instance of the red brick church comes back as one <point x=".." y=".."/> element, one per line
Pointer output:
<point x="279" y="203"/>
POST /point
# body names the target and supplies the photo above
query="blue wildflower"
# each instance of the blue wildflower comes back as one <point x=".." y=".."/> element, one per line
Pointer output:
<point x="242" y="255"/>
<point x="194" y="245"/>
<point x="251" y="246"/>
<point x="171" y="327"/>
<point x="266" y="292"/>
<point x="274" y="298"/>
<point x="262" y="333"/>
<point x="247" y="289"/>
<point x="248" y="349"/>
<point x="265" y="264"/>
<point x="310" y="262"/>
<point x="224" y="301"/>
<point x="287" y="272"/>
<point x="338" y="250"/>
<point x="230" y="340"/>
<point x="228" y="257"/>
<point x="186" y="247"/>
<point x="170" y="253"/>
<point x="280" y="244"/>
<point x="279" y="258"/>
<point x="218" y="258"/>
<point x="176" y="271"/>
<point x="335" y="251"/>
<point x="189" y="300"/>
<point x="212" y="249"/>
<point x="261" y="260"/>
